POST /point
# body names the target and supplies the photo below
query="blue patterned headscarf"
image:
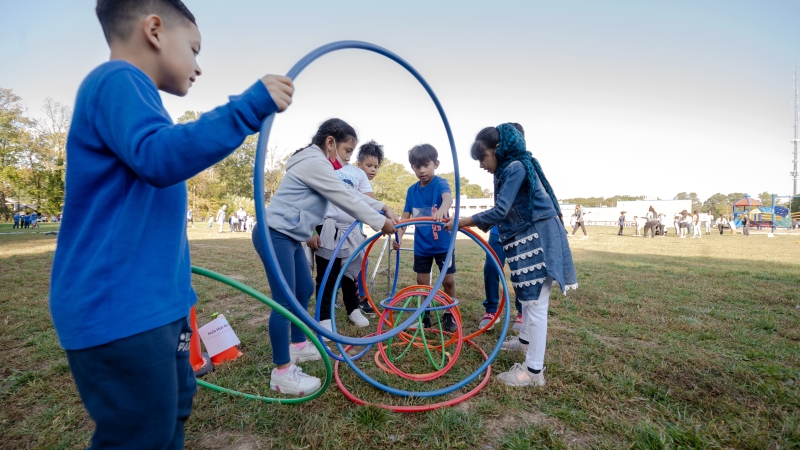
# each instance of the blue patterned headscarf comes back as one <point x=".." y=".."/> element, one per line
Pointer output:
<point x="512" y="148"/>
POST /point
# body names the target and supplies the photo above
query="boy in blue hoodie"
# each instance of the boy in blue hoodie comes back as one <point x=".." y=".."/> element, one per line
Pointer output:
<point x="120" y="296"/>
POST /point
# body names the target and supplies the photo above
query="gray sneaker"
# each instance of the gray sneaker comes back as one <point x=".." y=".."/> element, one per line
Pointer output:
<point x="519" y="375"/>
<point x="513" y="343"/>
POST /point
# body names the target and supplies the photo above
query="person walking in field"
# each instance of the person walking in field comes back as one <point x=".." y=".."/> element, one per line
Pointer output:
<point x="621" y="222"/>
<point x="578" y="215"/>
<point x="210" y="220"/>
<point x="221" y="214"/>
<point x="709" y="222"/>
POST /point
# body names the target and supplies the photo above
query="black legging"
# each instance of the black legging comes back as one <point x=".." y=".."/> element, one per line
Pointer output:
<point x="721" y="227"/>
<point x="620" y="229"/>
<point x="349" y="288"/>
<point x="579" y="224"/>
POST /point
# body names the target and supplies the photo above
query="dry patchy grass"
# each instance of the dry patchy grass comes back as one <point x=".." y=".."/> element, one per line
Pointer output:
<point x="668" y="343"/>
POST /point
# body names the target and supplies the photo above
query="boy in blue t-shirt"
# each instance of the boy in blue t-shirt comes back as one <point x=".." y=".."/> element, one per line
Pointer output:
<point x="430" y="197"/>
<point x="120" y="294"/>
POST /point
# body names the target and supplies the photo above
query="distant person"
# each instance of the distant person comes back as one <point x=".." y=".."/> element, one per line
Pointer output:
<point x="662" y="225"/>
<point x="578" y="215"/>
<point x="639" y="224"/>
<point x="34" y="218"/>
<point x="745" y="225"/>
<point x="210" y="220"/>
<point x="652" y="222"/>
<point x="249" y="222"/>
<point x="696" y="233"/>
<point x="189" y="218"/>
<point x="221" y="214"/>
<point x="16" y="220"/>
<point x="621" y="222"/>
<point x="709" y="222"/>
<point x="684" y="223"/>
<point x="233" y="222"/>
<point x="721" y="222"/>
<point x="241" y="214"/>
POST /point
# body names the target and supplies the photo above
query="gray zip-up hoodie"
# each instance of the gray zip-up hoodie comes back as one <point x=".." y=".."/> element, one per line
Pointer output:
<point x="302" y="197"/>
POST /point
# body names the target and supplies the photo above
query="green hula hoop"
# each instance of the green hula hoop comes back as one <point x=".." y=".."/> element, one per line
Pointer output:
<point x="285" y="313"/>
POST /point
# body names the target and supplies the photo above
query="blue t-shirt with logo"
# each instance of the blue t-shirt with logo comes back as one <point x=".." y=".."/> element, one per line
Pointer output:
<point x="429" y="240"/>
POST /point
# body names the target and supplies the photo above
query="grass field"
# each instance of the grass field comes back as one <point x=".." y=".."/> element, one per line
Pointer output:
<point x="668" y="343"/>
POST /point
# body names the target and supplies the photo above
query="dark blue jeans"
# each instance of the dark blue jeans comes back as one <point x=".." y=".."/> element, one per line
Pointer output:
<point x="294" y="266"/>
<point x="491" y="279"/>
<point x="139" y="389"/>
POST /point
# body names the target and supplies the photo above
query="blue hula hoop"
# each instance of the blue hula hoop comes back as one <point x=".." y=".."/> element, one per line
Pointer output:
<point x="262" y="229"/>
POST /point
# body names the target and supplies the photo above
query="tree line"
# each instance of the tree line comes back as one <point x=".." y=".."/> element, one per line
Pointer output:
<point x="718" y="203"/>
<point x="33" y="155"/>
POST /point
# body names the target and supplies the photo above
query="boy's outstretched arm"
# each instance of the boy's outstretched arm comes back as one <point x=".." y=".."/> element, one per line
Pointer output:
<point x="134" y="125"/>
<point x="447" y="202"/>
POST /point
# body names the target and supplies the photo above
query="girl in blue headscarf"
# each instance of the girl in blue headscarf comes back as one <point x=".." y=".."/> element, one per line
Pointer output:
<point x="531" y="229"/>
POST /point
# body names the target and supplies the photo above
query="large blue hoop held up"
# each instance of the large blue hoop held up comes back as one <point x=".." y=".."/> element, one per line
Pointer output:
<point x="262" y="229"/>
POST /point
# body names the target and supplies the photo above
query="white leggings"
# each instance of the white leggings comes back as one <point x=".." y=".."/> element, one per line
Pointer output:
<point x="534" y="326"/>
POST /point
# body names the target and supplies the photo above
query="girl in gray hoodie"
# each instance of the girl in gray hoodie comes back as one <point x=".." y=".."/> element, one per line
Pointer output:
<point x="294" y="211"/>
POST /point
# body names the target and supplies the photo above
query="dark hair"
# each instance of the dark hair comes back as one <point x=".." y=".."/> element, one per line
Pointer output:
<point x="419" y="155"/>
<point x="117" y="16"/>
<point x="488" y="138"/>
<point x="340" y="130"/>
<point x="371" y="148"/>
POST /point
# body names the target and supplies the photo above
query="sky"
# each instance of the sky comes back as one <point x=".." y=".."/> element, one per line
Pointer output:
<point x="616" y="97"/>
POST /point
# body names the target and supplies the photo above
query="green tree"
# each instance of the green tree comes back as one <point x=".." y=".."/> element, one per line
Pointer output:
<point x="471" y="190"/>
<point x="696" y="203"/>
<point x="766" y="198"/>
<point x="391" y="184"/>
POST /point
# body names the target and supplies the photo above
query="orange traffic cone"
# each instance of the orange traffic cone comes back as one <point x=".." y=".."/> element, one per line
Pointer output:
<point x="227" y="355"/>
<point x="200" y="361"/>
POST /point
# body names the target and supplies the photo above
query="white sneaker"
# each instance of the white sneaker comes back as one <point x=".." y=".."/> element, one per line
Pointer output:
<point x="358" y="319"/>
<point x="585" y="237"/>
<point x="327" y="325"/>
<point x="294" y="381"/>
<point x="513" y="343"/>
<point x="570" y="235"/>
<point x="307" y="353"/>
<point x="519" y="375"/>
